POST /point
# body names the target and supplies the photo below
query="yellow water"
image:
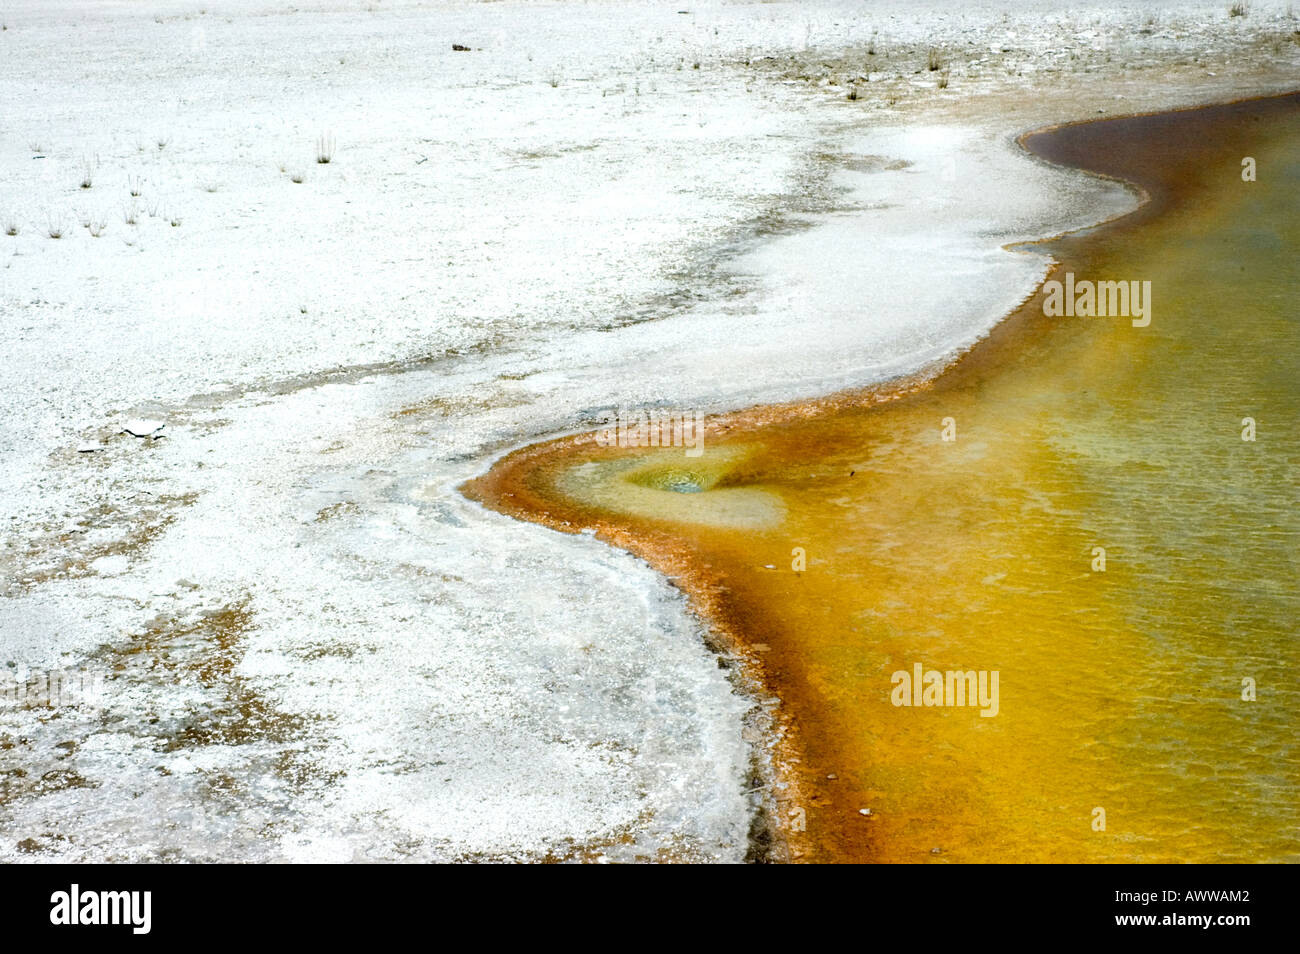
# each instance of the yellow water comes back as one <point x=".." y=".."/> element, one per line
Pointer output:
<point x="1120" y="689"/>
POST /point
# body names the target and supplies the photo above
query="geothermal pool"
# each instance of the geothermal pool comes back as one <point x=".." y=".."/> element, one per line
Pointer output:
<point x="1100" y="510"/>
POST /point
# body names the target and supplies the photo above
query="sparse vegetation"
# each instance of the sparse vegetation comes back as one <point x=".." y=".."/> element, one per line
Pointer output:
<point x="87" y="174"/>
<point x="130" y="213"/>
<point x="325" y="148"/>
<point x="175" y="221"/>
<point x="136" y="185"/>
<point x="1238" y="10"/>
<point x="933" y="62"/>
<point x="211" y="186"/>
<point x="11" y="227"/>
<point x="943" y="80"/>
<point x="296" y="177"/>
<point x="163" y="142"/>
<point x="853" y="92"/>
<point x="55" y="228"/>
<point x="97" y="228"/>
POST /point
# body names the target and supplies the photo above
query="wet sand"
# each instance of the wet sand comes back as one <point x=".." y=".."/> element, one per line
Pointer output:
<point x="836" y="542"/>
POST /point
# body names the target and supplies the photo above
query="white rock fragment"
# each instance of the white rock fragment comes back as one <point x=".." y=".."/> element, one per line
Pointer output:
<point x="143" y="427"/>
<point x="89" y="448"/>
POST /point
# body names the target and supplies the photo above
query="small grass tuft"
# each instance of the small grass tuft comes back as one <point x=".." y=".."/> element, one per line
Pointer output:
<point x="933" y="62"/>
<point x="325" y="148"/>
<point x="1238" y="10"/>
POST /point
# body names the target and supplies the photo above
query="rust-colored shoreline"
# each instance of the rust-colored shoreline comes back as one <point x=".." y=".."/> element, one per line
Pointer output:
<point x="507" y="488"/>
<point x="1155" y="153"/>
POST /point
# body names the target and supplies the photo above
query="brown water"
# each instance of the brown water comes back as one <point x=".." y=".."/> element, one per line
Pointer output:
<point x="1118" y="689"/>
